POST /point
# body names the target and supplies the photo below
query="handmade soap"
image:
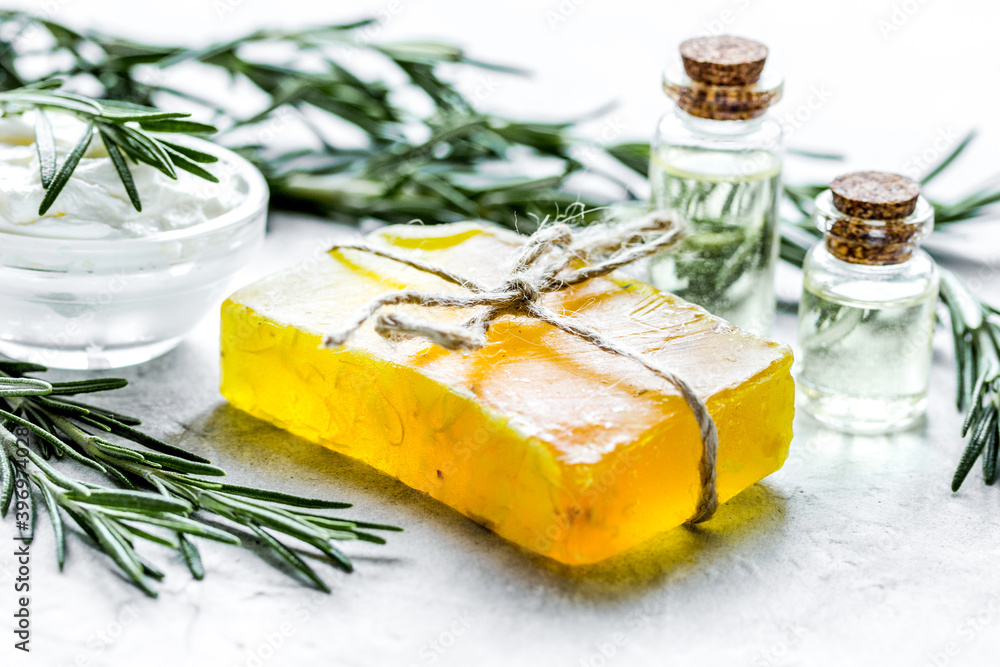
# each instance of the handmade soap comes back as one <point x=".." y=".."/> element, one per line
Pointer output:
<point x="556" y="445"/>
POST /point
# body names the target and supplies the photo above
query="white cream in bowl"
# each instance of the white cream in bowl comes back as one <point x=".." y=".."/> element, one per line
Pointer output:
<point x="93" y="283"/>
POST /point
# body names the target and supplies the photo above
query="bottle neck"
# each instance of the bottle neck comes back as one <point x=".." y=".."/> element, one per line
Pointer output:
<point x="871" y="242"/>
<point x="868" y="248"/>
<point x="722" y="128"/>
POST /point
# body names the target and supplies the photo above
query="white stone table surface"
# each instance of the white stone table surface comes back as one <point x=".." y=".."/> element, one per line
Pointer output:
<point x="855" y="553"/>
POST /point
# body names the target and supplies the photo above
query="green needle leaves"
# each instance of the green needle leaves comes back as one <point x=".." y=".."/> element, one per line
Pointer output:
<point x="291" y="558"/>
<point x="283" y="498"/>
<point x="46" y="144"/>
<point x="62" y="177"/>
<point x="192" y="558"/>
<point x="159" y="493"/>
<point x="124" y="128"/>
<point x="450" y="163"/>
<point x="87" y="386"/>
<point x="57" y="524"/>
<point x="975" y="329"/>
<point x="13" y="386"/>
<point x="133" y="500"/>
<point x="121" y="166"/>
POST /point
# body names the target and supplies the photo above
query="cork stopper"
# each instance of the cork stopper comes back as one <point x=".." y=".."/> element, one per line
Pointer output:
<point x="723" y="79"/>
<point x="870" y="218"/>
<point x="875" y="195"/>
<point x="723" y="60"/>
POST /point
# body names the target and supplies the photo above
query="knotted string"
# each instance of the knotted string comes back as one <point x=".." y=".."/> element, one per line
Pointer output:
<point x="543" y="266"/>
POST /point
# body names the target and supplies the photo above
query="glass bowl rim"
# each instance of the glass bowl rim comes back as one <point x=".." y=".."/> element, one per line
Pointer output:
<point x="253" y="202"/>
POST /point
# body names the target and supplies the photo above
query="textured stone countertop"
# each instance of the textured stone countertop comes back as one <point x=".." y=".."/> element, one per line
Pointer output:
<point x="855" y="553"/>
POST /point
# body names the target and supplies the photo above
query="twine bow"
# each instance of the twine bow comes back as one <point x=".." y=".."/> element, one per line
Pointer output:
<point x="543" y="266"/>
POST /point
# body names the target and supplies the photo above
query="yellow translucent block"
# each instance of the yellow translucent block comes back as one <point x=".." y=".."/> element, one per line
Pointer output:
<point x="557" y="446"/>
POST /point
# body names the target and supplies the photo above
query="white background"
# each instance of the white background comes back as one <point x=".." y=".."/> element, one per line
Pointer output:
<point x="896" y="73"/>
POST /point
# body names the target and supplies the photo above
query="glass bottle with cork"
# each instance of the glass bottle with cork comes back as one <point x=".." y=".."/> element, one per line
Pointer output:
<point x="866" y="317"/>
<point x="716" y="168"/>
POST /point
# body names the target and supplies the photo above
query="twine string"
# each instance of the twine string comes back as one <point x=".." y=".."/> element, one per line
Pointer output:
<point x="552" y="259"/>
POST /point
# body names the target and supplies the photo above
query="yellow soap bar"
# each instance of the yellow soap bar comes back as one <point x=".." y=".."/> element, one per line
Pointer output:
<point x="552" y="443"/>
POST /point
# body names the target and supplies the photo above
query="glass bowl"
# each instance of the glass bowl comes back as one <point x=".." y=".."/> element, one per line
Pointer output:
<point x="107" y="303"/>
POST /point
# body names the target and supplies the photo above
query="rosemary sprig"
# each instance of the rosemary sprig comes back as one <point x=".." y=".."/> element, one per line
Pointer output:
<point x="975" y="329"/>
<point x="453" y="163"/>
<point x="158" y="493"/>
<point x="127" y="130"/>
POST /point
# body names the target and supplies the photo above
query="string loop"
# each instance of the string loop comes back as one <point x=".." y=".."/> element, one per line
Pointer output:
<point x="542" y="266"/>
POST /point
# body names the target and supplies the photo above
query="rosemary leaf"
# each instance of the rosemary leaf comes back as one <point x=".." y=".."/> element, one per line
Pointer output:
<point x="191" y="153"/>
<point x="57" y="524"/>
<point x="87" y="420"/>
<point x="170" y="542"/>
<point x="11" y="387"/>
<point x="990" y="457"/>
<point x="149" y="570"/>
<point x="134" y="500"/>
<point x="111" y="450"/>
<point x="62" y="177"/>
<point x="974" y="448"/>
<point x="20" y="367"/>
<point x="179" y="464"/>
<point x="290" y="557"/>
<point x="368" y="537"/>
<point x="119" y="550"/>
<point x="816" y="155"/>
<point x="182" y="162"/>
<point x="123" y="112"/>
<point x="176" y="523"/>
<point x="140" y="438"/>
<point x="53" y="100"/>
<point x="276" y="521"/>
<point x="941" y="166"/>
<point x="150" y="149"/>
<point x="192" y="558"/>
<point x="283" y="498"/>
<point x="121" y="166"/>
<point x="334" y="554"/>
<point x="104" y="412"/>
<point x="120" y="477"/>
<point x="376" y="526"/>
<point x="975" y="404"/>
<point x="177" y="125"/>
<point x="63" y="407"/>
<point x="87" y="386"/>
<point x="46" y="144"/>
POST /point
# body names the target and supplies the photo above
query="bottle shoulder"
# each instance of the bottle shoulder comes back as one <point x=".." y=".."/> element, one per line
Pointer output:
<point x="916" y="279"/>
<point x="678" y="128"/>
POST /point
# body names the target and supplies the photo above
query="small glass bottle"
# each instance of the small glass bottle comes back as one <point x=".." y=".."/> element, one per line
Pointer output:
<point x="716" y="168"/>
<point x="866" y="317"/>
